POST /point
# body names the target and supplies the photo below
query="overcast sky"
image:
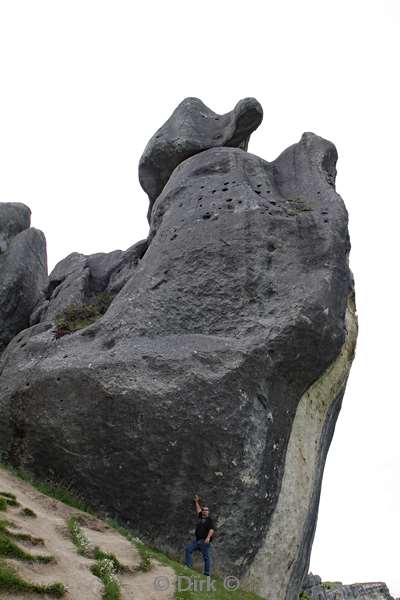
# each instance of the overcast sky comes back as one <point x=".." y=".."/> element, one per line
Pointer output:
<point x="84" y="84"/>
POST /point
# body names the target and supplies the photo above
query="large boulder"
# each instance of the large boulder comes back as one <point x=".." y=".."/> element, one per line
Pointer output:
<point x="23" y="270"/>
<point x="219" y="368"/>
<point x="192" y="128"/>
<point x="14" y="218"/>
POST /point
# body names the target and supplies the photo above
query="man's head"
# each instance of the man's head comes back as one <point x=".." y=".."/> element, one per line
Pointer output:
<point x="205" y="511"/>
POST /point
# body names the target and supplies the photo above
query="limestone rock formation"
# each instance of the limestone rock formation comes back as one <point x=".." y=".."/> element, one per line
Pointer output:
<point x="318" y="590"/>
<point x="219" y="367"/>
<point x="23" y="269"/>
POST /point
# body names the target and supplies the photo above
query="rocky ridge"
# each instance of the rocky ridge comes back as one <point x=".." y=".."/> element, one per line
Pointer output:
<point x="313" y="587"/>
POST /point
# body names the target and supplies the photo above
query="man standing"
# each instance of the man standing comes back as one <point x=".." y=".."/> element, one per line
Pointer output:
<point x="204" y="532"/>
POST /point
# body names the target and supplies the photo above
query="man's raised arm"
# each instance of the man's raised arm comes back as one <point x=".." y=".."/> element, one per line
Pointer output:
<point x="197" y="503"/>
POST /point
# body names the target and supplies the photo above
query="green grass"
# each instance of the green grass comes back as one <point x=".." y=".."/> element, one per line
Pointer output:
<point x="104" y="569"/>
<point x="145" y="562"/>
<point x="77" y="536"/>
<point x="3" y="504"/>
<point x="331" y="585"/>
<point x="305" y="596"/>
<point x="10" y="581"/>
<point x="4" y="523"/>
<point x="78" y="316"/>
<point x="8" y="495"/>
<point x="23" y="537"/>
<point x="57" y="490"/>
<point x="8" y="549"/>
<point x="10" y="501"/>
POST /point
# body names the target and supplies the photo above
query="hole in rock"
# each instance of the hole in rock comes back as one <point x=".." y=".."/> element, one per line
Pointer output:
<point x="109" y="344"/>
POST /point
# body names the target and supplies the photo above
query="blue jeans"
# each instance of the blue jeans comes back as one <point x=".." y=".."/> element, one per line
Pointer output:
<point x="202" y="547"/>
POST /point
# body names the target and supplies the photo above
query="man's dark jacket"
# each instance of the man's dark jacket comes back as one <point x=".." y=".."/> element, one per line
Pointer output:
<point x="203" y="527"/>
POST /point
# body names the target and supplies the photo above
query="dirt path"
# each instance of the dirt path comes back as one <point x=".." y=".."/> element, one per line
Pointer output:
<point x="69" y="567"/>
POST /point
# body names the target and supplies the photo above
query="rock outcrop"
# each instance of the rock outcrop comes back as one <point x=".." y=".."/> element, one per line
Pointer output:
<point x="23" y="269"/>
<point x="192" y="128"/>
<point x="315" y="589"/>
<point x="79" y="278"/>
<point x="219" y="367"/>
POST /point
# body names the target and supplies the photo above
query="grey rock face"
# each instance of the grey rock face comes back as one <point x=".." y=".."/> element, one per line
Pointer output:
<point x="315" y="588"/>
<point x="14" y="218"/>
<point x="192" y="128"/>
<point x="219" y="368"/>
<point x="23" y="270"/>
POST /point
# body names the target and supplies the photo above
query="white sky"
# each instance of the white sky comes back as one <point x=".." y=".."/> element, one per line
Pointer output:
<point x="84" y="84"/>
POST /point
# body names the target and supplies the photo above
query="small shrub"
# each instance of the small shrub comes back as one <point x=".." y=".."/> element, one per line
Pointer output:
<point x="28" y="512"/>
<point x="54" y="589"/>
<point x="100" y="555"/>
<point x="78" y="316"/>
<point x="3" y="503"/>
<point x="305" y="596"/>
